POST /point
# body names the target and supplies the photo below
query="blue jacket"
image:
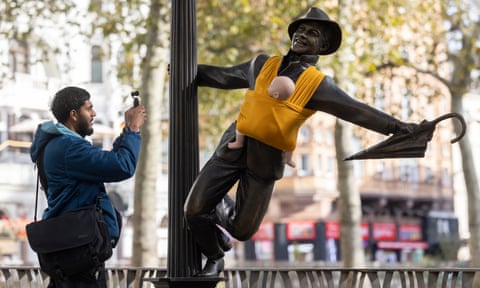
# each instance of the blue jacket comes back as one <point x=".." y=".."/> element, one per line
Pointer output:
<point x="76" y="170"/>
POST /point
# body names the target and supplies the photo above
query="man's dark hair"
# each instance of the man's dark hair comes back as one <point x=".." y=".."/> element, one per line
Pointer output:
<point x="66" y="100"/>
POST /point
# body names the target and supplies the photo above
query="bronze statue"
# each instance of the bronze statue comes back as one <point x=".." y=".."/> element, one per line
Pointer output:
<point x="258" y="163"/>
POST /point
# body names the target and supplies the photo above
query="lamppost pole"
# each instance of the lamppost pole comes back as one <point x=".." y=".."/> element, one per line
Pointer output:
<point x="184" y="259"/>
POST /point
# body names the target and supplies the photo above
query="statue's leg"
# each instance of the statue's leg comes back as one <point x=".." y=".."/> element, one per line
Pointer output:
<point x="251" y="204"/>
<point x="255" y="186"/>
<point x="213" y="182"/>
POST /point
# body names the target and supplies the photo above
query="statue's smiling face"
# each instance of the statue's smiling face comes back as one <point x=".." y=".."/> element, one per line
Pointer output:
<point x="309" y="39"/>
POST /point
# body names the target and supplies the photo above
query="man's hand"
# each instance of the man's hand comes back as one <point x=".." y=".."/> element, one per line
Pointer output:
<point x="135" y="117"/>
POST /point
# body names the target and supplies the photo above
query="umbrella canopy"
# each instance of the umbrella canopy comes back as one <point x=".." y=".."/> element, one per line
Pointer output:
<point x="408" y="145"/>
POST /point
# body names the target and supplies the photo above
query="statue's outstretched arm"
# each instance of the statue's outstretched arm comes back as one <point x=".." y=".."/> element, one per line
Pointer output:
<point x="234" y="77"/>
<point x="331" y="99"/>
<point x="239" y="76"/>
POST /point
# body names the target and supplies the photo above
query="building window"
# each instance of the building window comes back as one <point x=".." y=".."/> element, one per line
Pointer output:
<point x="329" y="139"/>
<point x="318" y="136"/>
<point x="414" y="176"/>
<point x="405" y="173"/>
<point x="304" y="165"/>
<point x="446" y="178"/>
<point x="380" y="173"/>
<point x="18" y="57"/>
<point x="304" y="134"/>
<point x="320" y="163"/>
<point x="330" y="165"/>
<point x="96" y="65"/>
<point x="428" y="175"/>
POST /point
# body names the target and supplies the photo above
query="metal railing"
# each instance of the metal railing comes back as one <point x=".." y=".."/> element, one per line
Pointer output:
<point x="346" y="278"/>
<point x="264" y="277"/>
<point x="32" y="277"/>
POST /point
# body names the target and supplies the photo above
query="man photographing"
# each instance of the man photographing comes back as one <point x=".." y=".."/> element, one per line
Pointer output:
<point x="75" y="171"/>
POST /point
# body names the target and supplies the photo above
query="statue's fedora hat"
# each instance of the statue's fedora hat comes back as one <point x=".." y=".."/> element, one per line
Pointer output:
<point x="332" y="29"/>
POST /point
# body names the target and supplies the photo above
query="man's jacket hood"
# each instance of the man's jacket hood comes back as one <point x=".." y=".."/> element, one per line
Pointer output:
<point x="45" y="132"/>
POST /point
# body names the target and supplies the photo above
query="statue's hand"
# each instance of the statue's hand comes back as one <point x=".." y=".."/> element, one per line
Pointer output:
<point x="405" y="128"/>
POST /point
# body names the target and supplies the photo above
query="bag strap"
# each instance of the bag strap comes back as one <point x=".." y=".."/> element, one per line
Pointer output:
<point x="41" y="171"/>
<point x="36" y="199"/>
<point x="40" y="178"/>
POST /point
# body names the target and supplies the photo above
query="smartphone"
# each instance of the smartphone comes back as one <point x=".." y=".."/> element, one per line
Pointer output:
<point x="136" y="98"/>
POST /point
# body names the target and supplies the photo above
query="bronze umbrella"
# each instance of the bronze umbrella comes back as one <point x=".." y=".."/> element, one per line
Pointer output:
<point x="408" y="145"/>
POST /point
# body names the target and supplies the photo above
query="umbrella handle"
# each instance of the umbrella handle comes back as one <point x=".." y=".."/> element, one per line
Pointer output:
<point x="460" y="118"/>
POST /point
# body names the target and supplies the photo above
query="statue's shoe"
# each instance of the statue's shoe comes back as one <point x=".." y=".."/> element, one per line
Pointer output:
<point x="212" y="268"/>
<point x="225" y="211"/>
<point x="224" y="241"/>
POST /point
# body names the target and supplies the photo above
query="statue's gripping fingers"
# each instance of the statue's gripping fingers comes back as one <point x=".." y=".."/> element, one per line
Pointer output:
<point x="405" y="128"/>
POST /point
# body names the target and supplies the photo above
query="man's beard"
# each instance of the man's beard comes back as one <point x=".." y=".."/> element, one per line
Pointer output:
<point x="83" y="128"/>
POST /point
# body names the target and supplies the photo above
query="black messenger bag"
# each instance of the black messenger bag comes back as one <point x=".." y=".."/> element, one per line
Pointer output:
<point x="74" y="242"/>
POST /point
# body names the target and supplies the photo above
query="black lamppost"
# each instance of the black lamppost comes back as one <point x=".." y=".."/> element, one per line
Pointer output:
<point x="184" y="259"/>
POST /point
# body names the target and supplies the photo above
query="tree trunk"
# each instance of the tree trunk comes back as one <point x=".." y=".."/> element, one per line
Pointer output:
<point x="153" y="87"/>
<point x="349" y="200"/>
<point x="349" y="196"/>
<point x="471" y="184"/>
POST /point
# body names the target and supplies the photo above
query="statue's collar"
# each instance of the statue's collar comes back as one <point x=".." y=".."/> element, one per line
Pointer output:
<point x="292" y="57"/>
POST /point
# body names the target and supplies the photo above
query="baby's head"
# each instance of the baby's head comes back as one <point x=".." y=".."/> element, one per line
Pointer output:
<point x="281" y="87"/>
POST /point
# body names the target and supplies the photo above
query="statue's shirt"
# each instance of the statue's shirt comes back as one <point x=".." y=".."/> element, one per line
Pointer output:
<point x="272" y="121"/>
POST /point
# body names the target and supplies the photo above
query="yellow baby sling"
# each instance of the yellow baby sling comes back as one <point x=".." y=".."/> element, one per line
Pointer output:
<point x="272" y="121"/>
